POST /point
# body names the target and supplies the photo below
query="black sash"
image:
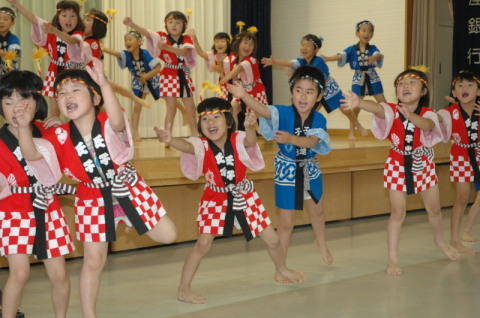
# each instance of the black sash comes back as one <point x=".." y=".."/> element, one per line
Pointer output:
<point x="139" y="66"/>
<point x="226" y="167"/>
<point x="362" y="58"/>
<point x="471" y="124"/>
<point x="180" y="71"/>
<point x="300" y="129"/>
<point x="61" y="53"/>
<point x="106" y="164"/>
<point x="407" y="159"/>
<point x="40" y="243"/>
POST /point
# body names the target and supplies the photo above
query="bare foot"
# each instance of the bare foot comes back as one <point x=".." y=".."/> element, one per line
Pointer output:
<point x="351" y="136"/>
<point x="190" y="297"/>
<point x="393" y="269"/>
<point x="289" y="276"/>
<point x="462" y="249"/>
<point x="363" y="131"/>
<point x="467" y="237"/>
<point x="137" y="138"/>
<point x="327" y="257"/>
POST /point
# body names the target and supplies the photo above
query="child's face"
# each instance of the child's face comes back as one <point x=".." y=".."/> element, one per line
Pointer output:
<point x="214" y="127"/>
<point x="132" y="43"/>
<point x="307" y="49"/>
<point x="466" y="91"/>
<point x="88" y="22"/>
<point x="220" y="45"/>
<point x="365" y="33"/>
<point x="75" y="101"/>
<point x="304" y="96"/>
<point x="174" y="26"/>
<point x="246" y="48"/>
<point x="9" y="103"/>
<point x="6" y="22"/>
<point x="410" y="90"/>
<point x="68" y="20"/>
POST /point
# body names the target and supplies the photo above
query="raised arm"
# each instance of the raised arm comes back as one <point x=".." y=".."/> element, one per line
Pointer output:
<point x="111" y="52"/>
<point x="197" y="45"/>
<point x="233" y="74"/>
<point x="129" y="22"/>
<point x="48" y="28"/>
<point x="24" y="11"/>
<point x="180" y="144"/>
<point x="239" y="92"/>
<point x="336" y="57"/>
<point x="250" y="125"/>
<point x="352" y="101"/>
<point x="24" y="117"/>
<point x="268" y="61"/>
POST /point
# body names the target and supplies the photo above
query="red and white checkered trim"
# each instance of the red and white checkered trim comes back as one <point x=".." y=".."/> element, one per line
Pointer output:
<point x="461" y="169"/>
<point x="394" y="176"/>
<point x="48" y="84"/>
<point x="170" y="86"/>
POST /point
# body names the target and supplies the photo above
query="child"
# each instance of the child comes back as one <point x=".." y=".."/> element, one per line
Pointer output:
<point x="66" y="19"/>
<point x="301" y="133"/>
<point x="363" y="58"/>
<point x="229" y="199"/>
<point x="220" y="50"/>
<point x="95" y="149"/>
<point x="460" y="123"/>
<point x="31" y="221"/>
<point x="178" y="53"/>
<point x="243" y="65"/>
<point x="413" y="129"/>
<point x="9" y="42"/>
<point x="144" y="69"/>
<point x="309" y="47"/>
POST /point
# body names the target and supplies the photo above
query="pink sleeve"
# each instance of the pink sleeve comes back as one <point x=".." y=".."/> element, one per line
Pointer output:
<point x="191" y="57"/>
<point x="210" y="60"/>
<point x="251" y="157"/>
<point x="226" y="65"/>
<point x="381" y="127"/>
<point x="46" y="170"/>
<point x="120" y="144"/>
<point x="192" y="164"/>
<point x="4" y="187"/>
<point x="152" y="44"/>
<point x="38" y="36"/>
<point x="80" y="52"/>
<point x="446" y="124"/>
<point x="247" y="74"/>
<point x="433" y="136"/>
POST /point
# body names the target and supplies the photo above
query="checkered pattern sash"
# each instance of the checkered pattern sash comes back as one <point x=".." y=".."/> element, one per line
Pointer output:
<point x="417" y="154"/>
<point x="245" y="186"/>
<point x="44" y="193"/>
<point x="119" y="182"/>
<point x="302" y="163"/>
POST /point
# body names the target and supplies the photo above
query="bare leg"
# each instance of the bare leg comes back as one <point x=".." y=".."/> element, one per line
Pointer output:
<point x="236" y="110"/>
<point x="398" y="201"/>
<point x="380" y="98"/>
<point x="353" y="118"/>
<point x="137" y="110"/>
<point x="190" y="267"/>
<point x="317" y="217"/>
<point x="284" y="231"/>
<point x="164" y="231"/>
<point x="191" y="113"/>
<point x="461" y="201"/>
<point x="431" y="200"/>
<point x="274" y="247"/>
<point x="95" y="256"/>
<point x="19" y="267"/>
<point x="472" y="216"/>
<point x="125" y="92"/>
<point x="171" y="111"/>
<point x="57" y="272"/>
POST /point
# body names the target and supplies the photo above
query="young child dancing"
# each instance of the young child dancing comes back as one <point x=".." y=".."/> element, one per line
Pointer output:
<point x="9" y="42"/>
<point x="95" y="149"/>
<point x="145" y="73"/>
<point x="301" y="133"/>
<point x="31" y="220"/>
<point x="66" y="19"/>
<point x="178" y="53"/>
<point x="413" y="129"/>
<point x="363" y="58"/>
<point x="221" y="48"/>
<point x="223" y="155"/>
<point x="460" y="124"/>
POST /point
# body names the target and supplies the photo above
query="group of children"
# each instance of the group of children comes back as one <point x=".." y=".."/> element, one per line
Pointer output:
<point x="95" y="146"/>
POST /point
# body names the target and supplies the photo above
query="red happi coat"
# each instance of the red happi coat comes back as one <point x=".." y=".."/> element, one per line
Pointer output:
<point x="89" y="203"/>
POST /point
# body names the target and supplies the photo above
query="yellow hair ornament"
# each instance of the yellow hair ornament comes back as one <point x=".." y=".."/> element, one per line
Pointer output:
<point x="82" y="1"/>
<point x="420" y="68"/>
<point x="252" y="29"/>
<point x="37" y="55"/>
<point x="240" y="25"/>
<point x="189" y="12"/>
<point x="214" y="88"/>
<point x="9" y="57"/>
<point x="111" y="13"/>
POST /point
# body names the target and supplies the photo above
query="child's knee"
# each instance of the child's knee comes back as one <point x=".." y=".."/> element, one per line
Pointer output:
<point x="203" y="245"/>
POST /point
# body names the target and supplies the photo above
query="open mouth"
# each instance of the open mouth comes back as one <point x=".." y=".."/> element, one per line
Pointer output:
<point x="71" y="107"/>
<point x="212" y="130"/>
<point x="465" y="95"/>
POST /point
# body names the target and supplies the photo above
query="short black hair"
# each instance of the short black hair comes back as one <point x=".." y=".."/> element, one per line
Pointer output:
<point x="425" y="99"/>
<point x="312" y="73"/>
<point x="178" y="16"/>
<point x="217" y="103"/>
<point x="9" y="11"/>
<point x="27" y="84"/>
<point x="224" y="36"/>
<point x="99" y="28"/>
<point x="237" y="39"/>
<point x="65" y="5"/>
<point x="316" y="41"/>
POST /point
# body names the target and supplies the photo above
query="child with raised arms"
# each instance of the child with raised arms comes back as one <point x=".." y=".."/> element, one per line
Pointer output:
<point x="223" y="155"/>
<point x="413" y="129"/>
<point x="95" y="149"/>
<point x="9" y="42"/>
<point x="301" y="133"/>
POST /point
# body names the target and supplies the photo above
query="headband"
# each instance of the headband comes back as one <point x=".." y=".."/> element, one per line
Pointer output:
<point x="213" y="112"/>
<point x="9" y="13"/>
<point x="75" y="81"/>
<point x="475" y="78"/>
<point x="414" y="76"/>
<point x="320" y="86"/>
<point x="95" y="17"/>
<point x="135" y="34"/>
<point x="359" y="24"/>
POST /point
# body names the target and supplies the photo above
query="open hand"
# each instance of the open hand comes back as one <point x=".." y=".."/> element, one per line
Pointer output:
<point x="23" y="113"/>
<point x="52" y="121"/>
<point x="267" y="61"/>
<point x="96" y="72"/>
<point x="404" y="110"/>
<point x="250" y="119"/>
<point x="283" y="137"/>
<point x="164" y="135"/>
<point x="350" y="101"/>
<point x="237" y="90"/>
<point x="128" y="21"/>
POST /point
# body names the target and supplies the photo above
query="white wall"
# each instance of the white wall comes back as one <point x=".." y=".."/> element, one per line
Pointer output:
<point x="335" y="21"/>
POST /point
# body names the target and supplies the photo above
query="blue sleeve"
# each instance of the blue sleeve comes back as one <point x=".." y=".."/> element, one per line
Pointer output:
<point x="269" y="127"/>
<point x="323" y="146"/>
